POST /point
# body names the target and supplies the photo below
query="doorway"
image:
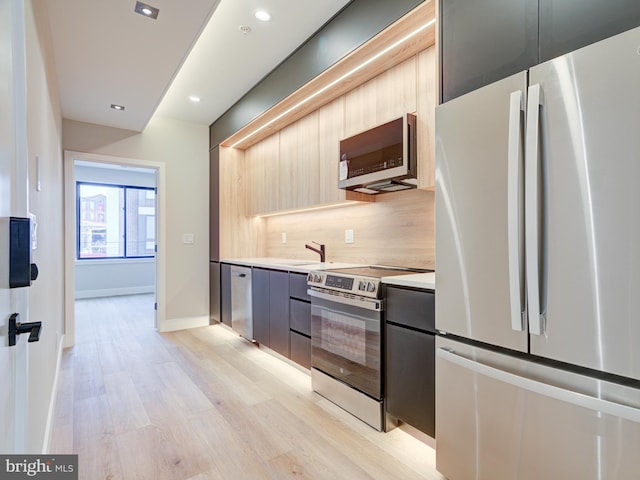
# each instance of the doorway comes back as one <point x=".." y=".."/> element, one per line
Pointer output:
<point x="113" y="245"/>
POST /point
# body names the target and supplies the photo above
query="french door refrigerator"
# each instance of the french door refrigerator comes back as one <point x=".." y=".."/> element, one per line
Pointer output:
<point x="538" y="271"/>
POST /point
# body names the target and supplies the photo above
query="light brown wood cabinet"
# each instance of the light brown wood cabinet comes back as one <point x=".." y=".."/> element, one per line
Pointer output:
<point x="331" y="131"/>
<point x="384" y="98"/>
<point x="426" y="117"/>
<point x="299" y="167"/>
<point x="262" y="162"/>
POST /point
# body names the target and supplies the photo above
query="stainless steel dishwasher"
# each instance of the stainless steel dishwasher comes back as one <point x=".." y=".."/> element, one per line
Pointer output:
<point x="241" y="311"/>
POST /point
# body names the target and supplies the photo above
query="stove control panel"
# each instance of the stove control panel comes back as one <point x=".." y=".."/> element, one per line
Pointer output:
<point x="363" y="286"/>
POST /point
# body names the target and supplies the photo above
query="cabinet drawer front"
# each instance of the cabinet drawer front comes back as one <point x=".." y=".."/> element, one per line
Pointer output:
<point x="410" y="377"/>
<point x="298" y="286"/>
<point x="300" y="316"/>
<point x="301" y="350"/>
<point x="411" y="307"/>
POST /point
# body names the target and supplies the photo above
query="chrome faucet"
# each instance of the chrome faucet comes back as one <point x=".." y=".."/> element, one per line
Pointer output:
<point x="321" y="251"/>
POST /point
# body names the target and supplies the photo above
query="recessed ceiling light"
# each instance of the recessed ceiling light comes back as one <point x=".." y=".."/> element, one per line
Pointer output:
<point x="146" y="10"/>
<point x="117" y="107"/>
<point x="194" y="98"/>
<point x="262" y="15"/>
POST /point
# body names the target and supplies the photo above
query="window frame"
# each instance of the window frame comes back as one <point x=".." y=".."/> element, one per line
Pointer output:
<point x="124" y="188"/>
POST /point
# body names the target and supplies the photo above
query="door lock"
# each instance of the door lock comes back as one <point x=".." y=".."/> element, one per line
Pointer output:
<point x="16" y="328"/>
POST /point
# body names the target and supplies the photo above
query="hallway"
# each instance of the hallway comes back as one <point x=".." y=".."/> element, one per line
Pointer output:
<point x="206" y="404"/>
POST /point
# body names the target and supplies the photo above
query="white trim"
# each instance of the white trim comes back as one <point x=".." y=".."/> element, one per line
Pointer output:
<point x="70" y="233"/>
<point x="174" y="324"/>
<point x="114" y="292"/>
<point x="53" y="399"/>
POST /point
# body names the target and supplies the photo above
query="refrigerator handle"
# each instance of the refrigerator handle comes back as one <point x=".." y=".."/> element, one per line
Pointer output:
<point x="569" y="396"/>
<point x="514" y="245"/>
<point x="531" y="214"/>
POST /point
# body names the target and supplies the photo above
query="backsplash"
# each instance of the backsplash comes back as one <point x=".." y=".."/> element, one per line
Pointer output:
<point x="397" y="229"/>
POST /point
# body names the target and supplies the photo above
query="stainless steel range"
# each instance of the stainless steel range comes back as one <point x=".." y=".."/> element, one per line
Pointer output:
<point x="346" y="338"/>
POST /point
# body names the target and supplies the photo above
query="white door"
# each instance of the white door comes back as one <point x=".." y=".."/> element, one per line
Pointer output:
<point x="13" y="202"/>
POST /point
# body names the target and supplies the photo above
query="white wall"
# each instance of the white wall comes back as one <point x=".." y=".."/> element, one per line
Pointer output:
<point x="103" y="278"/>
<point x="183" y="148"/>
<point x="46" y="295"/>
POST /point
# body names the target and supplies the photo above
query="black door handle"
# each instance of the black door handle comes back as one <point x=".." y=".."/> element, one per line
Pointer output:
<point x="16" y="328"/>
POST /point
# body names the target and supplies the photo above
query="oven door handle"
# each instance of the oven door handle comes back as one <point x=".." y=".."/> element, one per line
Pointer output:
<point x="360" y="302"/>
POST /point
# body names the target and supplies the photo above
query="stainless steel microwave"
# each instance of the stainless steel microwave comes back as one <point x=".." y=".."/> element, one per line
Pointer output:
<point x="382" y="159"/>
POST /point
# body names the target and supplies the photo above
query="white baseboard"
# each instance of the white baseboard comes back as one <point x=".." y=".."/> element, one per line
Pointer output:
<point x="52" y="401"/>
<point x="114" y="292"/>
<point x="173" y="324"/>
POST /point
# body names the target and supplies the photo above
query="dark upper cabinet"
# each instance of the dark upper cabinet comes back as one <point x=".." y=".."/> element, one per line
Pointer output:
<point x="566" y="25"/>
<point x="482" y="41"/>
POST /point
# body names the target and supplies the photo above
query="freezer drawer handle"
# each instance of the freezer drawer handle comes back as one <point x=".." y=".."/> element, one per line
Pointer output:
<point x="241" y="275"/>
<point x="568" y="396"/>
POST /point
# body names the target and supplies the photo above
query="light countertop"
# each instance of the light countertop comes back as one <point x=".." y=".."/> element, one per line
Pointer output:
<point x="288" y="264"/>
<point x="417" y="280"/>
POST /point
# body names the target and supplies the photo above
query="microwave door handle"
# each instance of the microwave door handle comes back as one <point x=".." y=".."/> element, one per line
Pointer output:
<point x="514" y="243"/>
<point x="532" y="238"/>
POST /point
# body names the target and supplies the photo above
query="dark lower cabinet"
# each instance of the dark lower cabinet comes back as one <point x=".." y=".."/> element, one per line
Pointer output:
<point x="270" y="304"/>
<point x="225" y="293"/>
<point x="410" y="357"/>
<point x="282" y="313"/>
<point x="279" y="312"/>
<point x="260" y="305"/>
<point x="300" y="319"/>
<point x="411" y="377"/>
<point x="214" y="292"/>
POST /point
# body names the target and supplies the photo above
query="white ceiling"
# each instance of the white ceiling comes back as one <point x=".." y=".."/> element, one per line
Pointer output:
<point x="106" y="53"/>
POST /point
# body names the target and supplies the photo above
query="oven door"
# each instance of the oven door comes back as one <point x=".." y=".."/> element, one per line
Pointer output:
<point x="346" y="339"/>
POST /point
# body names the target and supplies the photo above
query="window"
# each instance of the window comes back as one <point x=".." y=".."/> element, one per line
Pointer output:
<point x="115" y="221"/>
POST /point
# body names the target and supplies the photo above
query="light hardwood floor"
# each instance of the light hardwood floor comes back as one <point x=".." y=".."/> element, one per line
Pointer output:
<point x="206" y="404"/>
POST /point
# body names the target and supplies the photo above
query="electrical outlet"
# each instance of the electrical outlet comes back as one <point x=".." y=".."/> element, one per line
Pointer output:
<point x="284" y="237"/>
<point x="348" y="236"/>
<point x="187" y="239"/>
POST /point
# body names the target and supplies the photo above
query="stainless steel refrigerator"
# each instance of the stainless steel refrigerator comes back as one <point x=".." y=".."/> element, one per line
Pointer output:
<point x="538" y="271"/>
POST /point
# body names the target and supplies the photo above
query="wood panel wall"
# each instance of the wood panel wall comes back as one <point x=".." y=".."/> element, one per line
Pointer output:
<point x="240" y="234"/>
<point x="398" y="229"/>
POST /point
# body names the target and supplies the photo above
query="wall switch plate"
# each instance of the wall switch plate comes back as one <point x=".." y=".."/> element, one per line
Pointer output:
<point x="284" y="237"/>
<point x="187" y="239"/>
<point x="348" y="236"/>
